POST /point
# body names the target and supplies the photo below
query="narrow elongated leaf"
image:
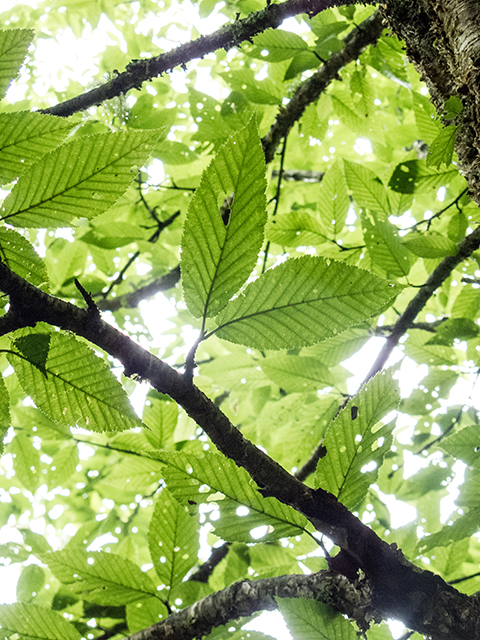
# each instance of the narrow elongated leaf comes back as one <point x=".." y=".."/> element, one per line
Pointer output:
<point x="442" y="148"/>
<point x="78" y="390"/>
<point x="218" y="254"/>
<point x="303" y="301"/>
<point x="368" y="190"/>
<point x="19" y="256"/>
<point x="333" y="202"/>
<point x="355" y="445"/>
<point x="14" y="45"/>
<point x="172" y="540"/>
<point x="385" y="247"/>
<point x="314" y="620"/>
<point x="25" y="137"/>
<point x="101" y="577"/>
<point x="35" y="623"/>
<point x="5" y="418"/>
<point x="82" y="178"/>
<point x="193" y="480"/>
<point x="26" y="461"/>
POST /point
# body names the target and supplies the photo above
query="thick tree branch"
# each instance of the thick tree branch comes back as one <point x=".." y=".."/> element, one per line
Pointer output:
<point x="354" y="43"/>
<point x="133" y="299"/>
<point x="422" y="600"/>
<point x="140" y="71"/>
<point x="245" y="598"/>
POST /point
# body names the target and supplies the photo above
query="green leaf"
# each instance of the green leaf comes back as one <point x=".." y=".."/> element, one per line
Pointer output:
<point x="297" y="373"/>
<point x="160" y="416"/>
<point x="303" y="301"/>
<point x="63" y="466"/>
<point x="82" y="178"/>
<point x="217" y="258"/>
<point x="25" y="137"/>
<point x="12" y="552"/>
<point x="442" y="148"/>
<point x="141" y="615"/>
<point x="452" y="108"/>
<point x="464" y="445"/>
<point x="368" y="190"/>
<point x="79" y="389"/>
<point x="35" y="348"/>
<point x="355" y="444"/>
<point x="464" y="527"/>
<point x="193" y="480"/>
<point x="19" y="256"/>
<point x="30" y="582"/>
<point x="425" y="117"/>
<point x="430" y="246"/>
<point x="277" y="45"/>
<point x="314" y="620"/>
<point x="295" y="229"/>
<point x="5" y="417"/>
<point x="14" y="45"/>
<point x="333" y="202"/>
<point x="26" y="461"/>
<point x="413" y="176"/>
<point x="32" y="622"/>
<point x="257" y="91"/>
<point x="99" y="576"/>
<point x="172" y="540"/>
<point x="301" y="62"/>
<point x="385" y="247"/>
<point x="417" y="348"/>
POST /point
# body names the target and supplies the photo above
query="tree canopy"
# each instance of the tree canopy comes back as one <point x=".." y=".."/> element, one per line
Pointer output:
<point x="198" y="229"/>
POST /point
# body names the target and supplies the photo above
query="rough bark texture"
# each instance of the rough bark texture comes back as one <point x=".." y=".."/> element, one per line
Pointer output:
<point x="442" y="40"/>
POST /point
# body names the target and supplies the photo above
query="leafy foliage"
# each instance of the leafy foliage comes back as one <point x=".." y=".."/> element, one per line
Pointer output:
<point x="111" y="517"/>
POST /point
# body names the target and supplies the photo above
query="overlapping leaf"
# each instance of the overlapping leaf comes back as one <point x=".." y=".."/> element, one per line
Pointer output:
<point x="172" y="540"/>
<point x="32" y="622"/>
<point x="333" y="202"/>
<point x="368" y="191"/>
<point x="78" y="388"/>
<point x="19" y="256"/>
<point x="219" y="254"/>
<point x="303" y="301"/>
<point x="385" y="247"/>
<point x="193" y="479"/>
<point x="314" y="620"/>
<point x="25" y="137"/>
<point x="355" y="445"/>
<point x="14" y="45"/>
<point x="82" y="178"/>
<point x="101" y="577"/>
<point x="5" y="418"/>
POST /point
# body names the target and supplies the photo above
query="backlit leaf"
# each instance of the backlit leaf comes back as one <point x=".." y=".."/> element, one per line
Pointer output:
<point x="79" y="389"/>
<point x="82" y="178"/>
<point x="32" y="622"/>
<point x="303" y="301"/>
<point x="14" y="45"/>
<point x="218" y="257"/>
<point x="355" y="444"/>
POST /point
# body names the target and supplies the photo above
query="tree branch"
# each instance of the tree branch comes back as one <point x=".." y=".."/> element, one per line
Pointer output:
<point x="422" y="600"/>
<point x="465" y="249"/>
<point x="133" y="299"/>
<point x="231" y="35"/>
<point x="247" y="597"/>
<point x="355" y="42"/>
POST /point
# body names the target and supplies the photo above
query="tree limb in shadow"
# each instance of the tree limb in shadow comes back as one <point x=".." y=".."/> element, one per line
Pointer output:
<point x="228" y="36"/>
